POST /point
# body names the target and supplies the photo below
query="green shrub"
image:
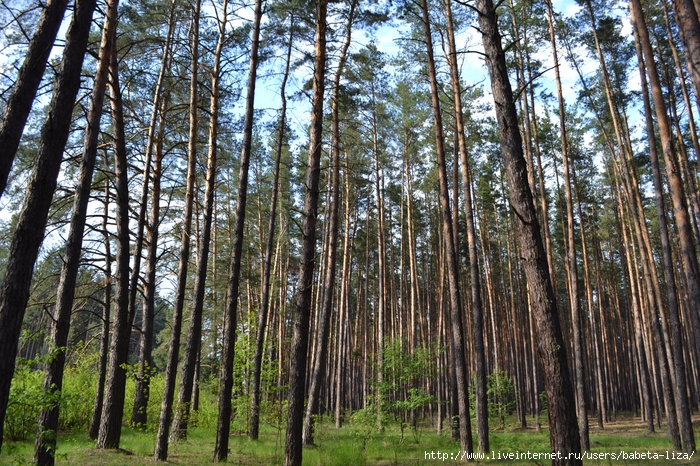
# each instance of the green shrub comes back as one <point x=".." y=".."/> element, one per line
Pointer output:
<point x="27" y="396"/>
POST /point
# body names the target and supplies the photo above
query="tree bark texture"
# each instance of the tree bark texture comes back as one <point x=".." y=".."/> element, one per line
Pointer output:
<point x="577" y="333"/>
<point x="323" y="326"/>
<point x="94" y="427"/>
<point x="230" y="324"/>
<point x="29" y="232"/>
<point x="300" y="337"/>
<point x="680" y="211"/>
<point x="28" y="79"/>
<point x="460" y="366"/>
<point x="109" y="435"/>
<point x="564" y="434"/>
<point x="254" y="427"/>
<point x="477" y="307"/>
<point x="45" y="446"/>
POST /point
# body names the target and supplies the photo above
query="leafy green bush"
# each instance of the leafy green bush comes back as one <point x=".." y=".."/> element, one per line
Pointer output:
<point x="27" y="396"/>
<point x="78" y="395"/>
<point x="500" y="391"/>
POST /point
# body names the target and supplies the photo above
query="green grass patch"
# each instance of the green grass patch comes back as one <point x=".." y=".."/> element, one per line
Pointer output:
<point x="351" y="445"/>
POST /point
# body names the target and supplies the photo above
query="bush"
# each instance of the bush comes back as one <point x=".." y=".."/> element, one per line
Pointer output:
<point x="500" y="391"/>
<point x="78" y="397"/>
<point x="27" y="396"/>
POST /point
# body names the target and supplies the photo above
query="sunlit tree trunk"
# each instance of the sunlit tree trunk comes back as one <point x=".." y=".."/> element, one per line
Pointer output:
<point x="688" y="251"/>
<point x="31" y="223"/>
<point x="26" y="85"/>
<point x="194" y="332"/>
<point x="109" y="435"/>
<point x="94" y="427"/>
<point x="465" y="435"/>
<point x="577" y="333"/>
<point x="300" y="338"/>
<point x="230" y="324"/>
<point x="166" y="409"/>
<point x="142" y="391"/>
<point x="254" y="426"/>
<point x="564" y="435"/>
<point x="332" y="246"/>
<point x="45" y="446"/>
<point x="482" y="421"/>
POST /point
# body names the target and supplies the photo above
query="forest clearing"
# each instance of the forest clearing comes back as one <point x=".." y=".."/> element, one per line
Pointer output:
<point x="349" y="232"/>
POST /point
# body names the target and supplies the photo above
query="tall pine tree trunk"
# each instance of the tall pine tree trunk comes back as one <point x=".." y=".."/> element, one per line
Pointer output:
<point x="154" y="142"/>
<point x="230" y="324"/>
<point x="689" y="26"/>
<point x="94" y="427"/>
<point x="194" y="332"/>
<point x="564" y="434"/>
<point x="254" y="426"/>
<point x="682" y="217"/>
<point x="300" y="338"/>
<point x="29" y="232"/>
<point x="113" y="408"/>
<point x="166" y="409"/>
<point x="45" y="446"/>
<point x="482" y="421"/>
<point x="332" y="247"/>
<point x="465" y="435"/>
<point x="24" y="91"/>
<point x="577" y="333"/>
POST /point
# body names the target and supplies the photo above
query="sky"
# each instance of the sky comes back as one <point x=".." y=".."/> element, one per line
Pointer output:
<point x="387" y="40"/>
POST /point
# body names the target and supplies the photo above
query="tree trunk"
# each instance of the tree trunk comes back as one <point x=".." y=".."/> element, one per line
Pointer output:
<point x="465" y="435"/>
<point x="194" y="332"/>
<point x="300" y="338"/>
<point x="254" y="426"/>
<point x="113" y="408"/>
<point x="28" y="79"/>
<point x="688" y="251"/>
<point x="142" y="390"/>
<point x="577" y="334"/>
<point x="230" y="325"/>
<point x="94" y="427"/>
<point x="332" y="247"/>
<point x="482" y="420"/>
<point x="45" y="446"/>
<point x="145" y="362"/>
<point x="29" y="232"/>
<point x="564" y="435"/>
<point x="161" y="450"/>
<point x="689" y="27"/>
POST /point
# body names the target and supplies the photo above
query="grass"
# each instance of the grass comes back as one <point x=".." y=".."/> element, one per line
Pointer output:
<point x="351" y="445"/>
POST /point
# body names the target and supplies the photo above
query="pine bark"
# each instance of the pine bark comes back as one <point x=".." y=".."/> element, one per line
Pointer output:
<point x="682" y="217"/>
<point x="28" y="79"/>
<point x="323" y="326"/>
<point x="564" y="434"/>
<point x="577" y="333"/>
<point x="94" y="427"/>
<point x="45" y="446"/>
<point x="29" y="232"/>
<point x="194" y="332"/>
<point x="230" y="324"/>
<point x="254" y="426"/>
<point x="465" y="435"/>
<point x="166" y="410"/>
<point x="113" y="408"/>
<point x="482" y="421"/>
<point x="145" y="363"/>
<point x="689" y="26"/>
<point x="300" y="338"/>
<point x="154" y="141"/>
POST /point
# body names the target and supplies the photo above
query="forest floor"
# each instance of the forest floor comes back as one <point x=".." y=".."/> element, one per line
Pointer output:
<point x="622" y="440"/>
